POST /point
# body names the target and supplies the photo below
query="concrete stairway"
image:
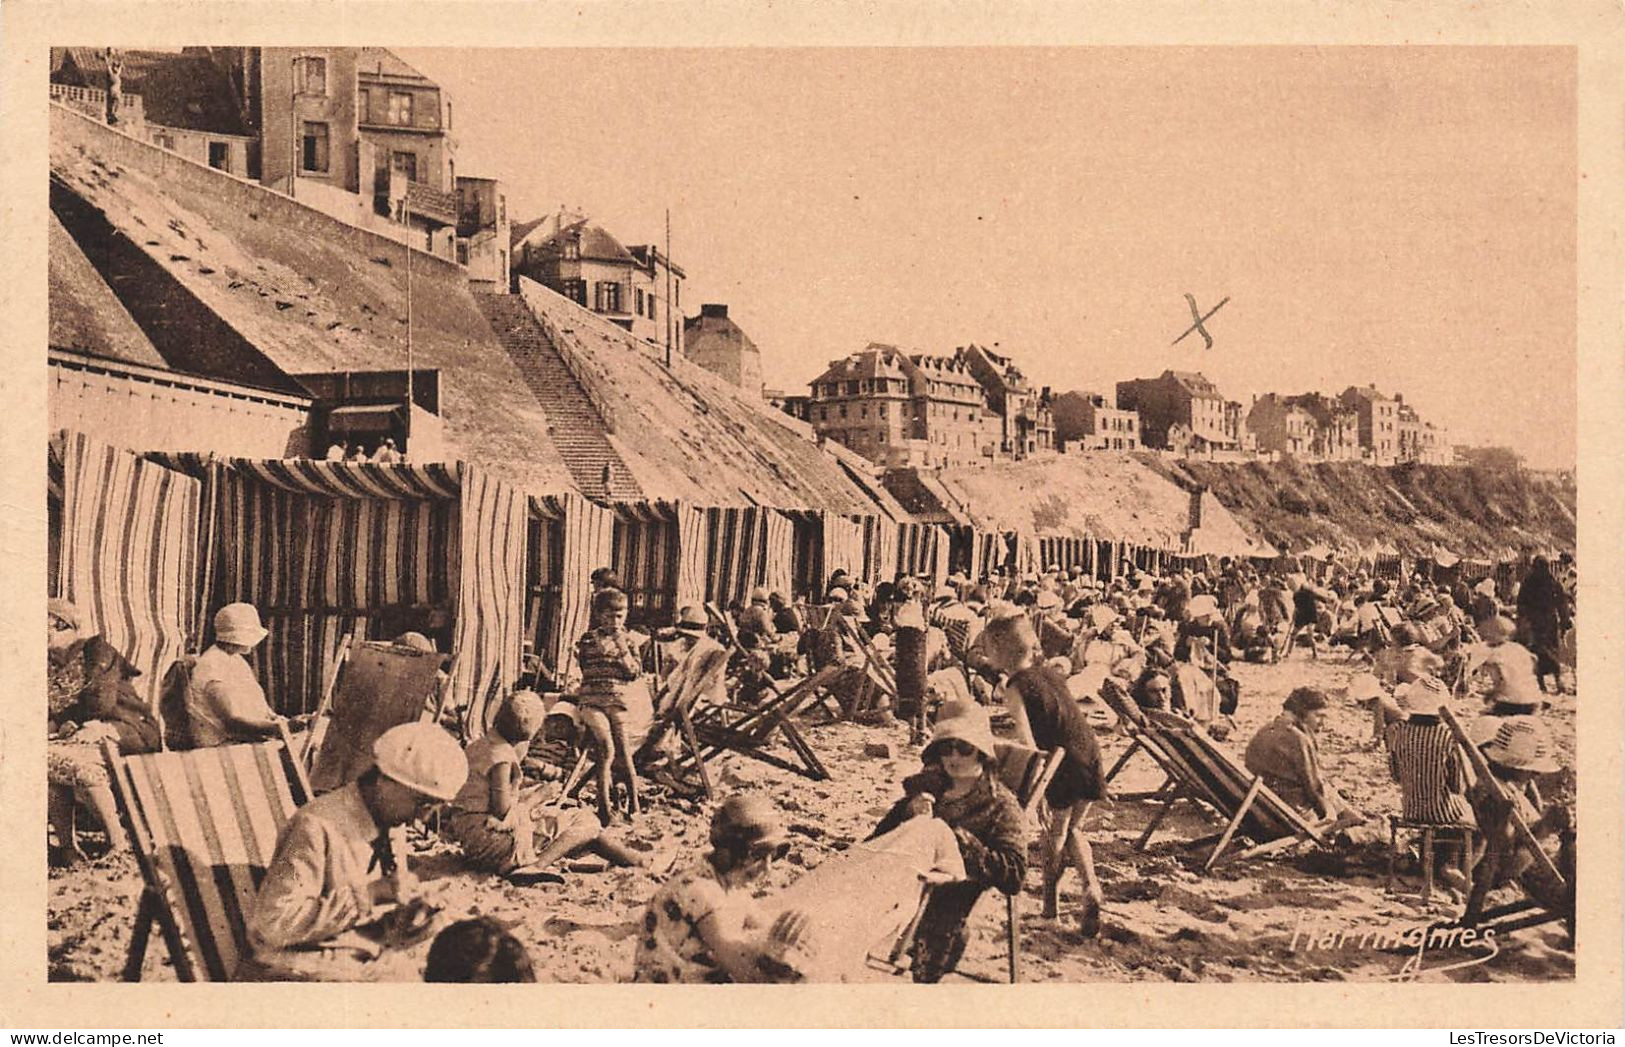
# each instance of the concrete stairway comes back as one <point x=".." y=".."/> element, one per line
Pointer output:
<point x="575" y="425"/>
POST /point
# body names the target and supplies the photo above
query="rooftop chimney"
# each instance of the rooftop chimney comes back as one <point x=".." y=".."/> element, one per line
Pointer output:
<point x="718" y="311"/>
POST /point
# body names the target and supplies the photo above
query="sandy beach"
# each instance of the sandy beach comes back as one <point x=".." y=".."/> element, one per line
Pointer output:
<point x="1308" y="915"/>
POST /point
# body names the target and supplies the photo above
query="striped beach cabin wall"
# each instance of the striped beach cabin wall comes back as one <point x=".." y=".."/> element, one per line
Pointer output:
<point x="585" y="533"/>
<point x="126" y="551"/>
<point x="326" y="549"/>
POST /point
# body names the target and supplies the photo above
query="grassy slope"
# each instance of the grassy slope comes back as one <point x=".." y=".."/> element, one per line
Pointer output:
<point x="1471" y="511"/>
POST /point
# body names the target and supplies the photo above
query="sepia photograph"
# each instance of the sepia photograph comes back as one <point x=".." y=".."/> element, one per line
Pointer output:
<point x="814" y="515"/>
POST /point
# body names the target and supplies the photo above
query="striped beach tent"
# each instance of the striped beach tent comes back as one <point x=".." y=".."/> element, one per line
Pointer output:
<point x="841" y="548"/>
<point x="747" y="547"/>
<point x="646" y="551"/>
<point x="778" y="551"/>
<point x="586" y="537"/>
<point x="692" y="548"/>
<point x="324" y="549"/>
<point x="126" y="550"/>
<point x="879" y="549"/>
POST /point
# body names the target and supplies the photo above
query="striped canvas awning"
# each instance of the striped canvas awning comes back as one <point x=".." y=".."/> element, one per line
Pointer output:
<point x="326" y="548"/>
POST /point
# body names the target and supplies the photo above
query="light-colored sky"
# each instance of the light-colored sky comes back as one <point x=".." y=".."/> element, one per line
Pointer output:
<point x="1402" y="215"/>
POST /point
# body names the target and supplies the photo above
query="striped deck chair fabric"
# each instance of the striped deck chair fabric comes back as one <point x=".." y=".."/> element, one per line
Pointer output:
<point x="1204" y="770"/>
<point x="204" y="824"/>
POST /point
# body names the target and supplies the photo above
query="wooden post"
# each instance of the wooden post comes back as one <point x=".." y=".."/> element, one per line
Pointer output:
<point x="1235" y="822"/>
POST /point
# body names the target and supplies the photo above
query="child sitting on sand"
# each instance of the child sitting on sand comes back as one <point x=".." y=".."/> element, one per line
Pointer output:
<point x="504" y="830"/>
<point x="702" y="927"/>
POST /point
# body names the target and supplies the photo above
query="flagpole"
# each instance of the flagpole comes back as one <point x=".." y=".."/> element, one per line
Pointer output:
<point x="406" y="220"/>
<point x="668" y="289"/>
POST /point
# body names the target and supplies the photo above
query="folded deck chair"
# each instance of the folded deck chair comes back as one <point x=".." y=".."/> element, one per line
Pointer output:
<point x="1527" y="911"/>
<point x="379" y="686"/>
<point x="750" y="731"/>
<point x="1202" y="771"/>
<point x="1026" y="772"/>
<point x="203" y="824"/>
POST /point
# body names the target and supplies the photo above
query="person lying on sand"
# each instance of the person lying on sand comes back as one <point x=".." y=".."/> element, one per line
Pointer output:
<point x="703" y="927"/>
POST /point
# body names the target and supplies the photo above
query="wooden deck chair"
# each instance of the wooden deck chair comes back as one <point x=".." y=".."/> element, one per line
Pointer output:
<point x="878" y="673"/>
<point x="1026" y="772"/>
<point x="1527" y="911"/>
<point x="760" y="660"/>
<point x="675" y="712"/>
<point x="750" y="731"/>
<point x="1202" y="771"/>
<point x="379" y="686"/>
<point x="203" y="824"/>
<point x="1141" y="739"/>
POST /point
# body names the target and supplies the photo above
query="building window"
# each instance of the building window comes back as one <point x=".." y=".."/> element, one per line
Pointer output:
<point x="863" y="412"/>
<point x="651" y="301"/>
<point x="400" y="108"/>
<point x="220" y="156"/>
<point x="313" y="155"/>
<point x="823" y="414"/>
<point x="843" y="410"/>
<point x="639" y="300"/>
<point x="608" y="297"/>
<point x="406" y="164"/>
<point x="881" y="410"/>
<point x="311" y="75"/>
<point x="576" y="291"/>
<point x="851" y="388"/>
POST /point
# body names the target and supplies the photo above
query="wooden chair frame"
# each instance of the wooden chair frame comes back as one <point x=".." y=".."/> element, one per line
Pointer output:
<point x="1526" y="912"/>
<point x="1198" y="770"/>
<point x="171" y="895"/>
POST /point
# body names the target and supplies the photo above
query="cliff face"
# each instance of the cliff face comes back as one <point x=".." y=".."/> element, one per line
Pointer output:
<point x="1470" y="511"/>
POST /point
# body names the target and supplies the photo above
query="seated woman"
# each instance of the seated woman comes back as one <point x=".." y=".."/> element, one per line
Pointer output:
<point x="1521" y="751"/>
<point x="1428" y="765"/>
<point x="1048" y="717"/>
<point x="702" y="926"/>
<point x="1285" y="755"/>
<point x="90" y="700"/>
<point x="957" y="786"/>
<point x="504" y="831"/>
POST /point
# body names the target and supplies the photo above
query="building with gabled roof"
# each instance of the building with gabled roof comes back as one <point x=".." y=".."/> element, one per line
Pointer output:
<point x="717" y="344"/>
<point x="585" y="263"/>
<point x="184" y="101"/>
<point x="1182" y="410"/>
<point x="1027" y="424"/>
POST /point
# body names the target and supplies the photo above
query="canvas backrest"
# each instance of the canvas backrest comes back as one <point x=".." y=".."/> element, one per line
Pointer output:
<point x="1224" y="781"/>
<point x="172" y="714"/>
<point x="204" y="824"/>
